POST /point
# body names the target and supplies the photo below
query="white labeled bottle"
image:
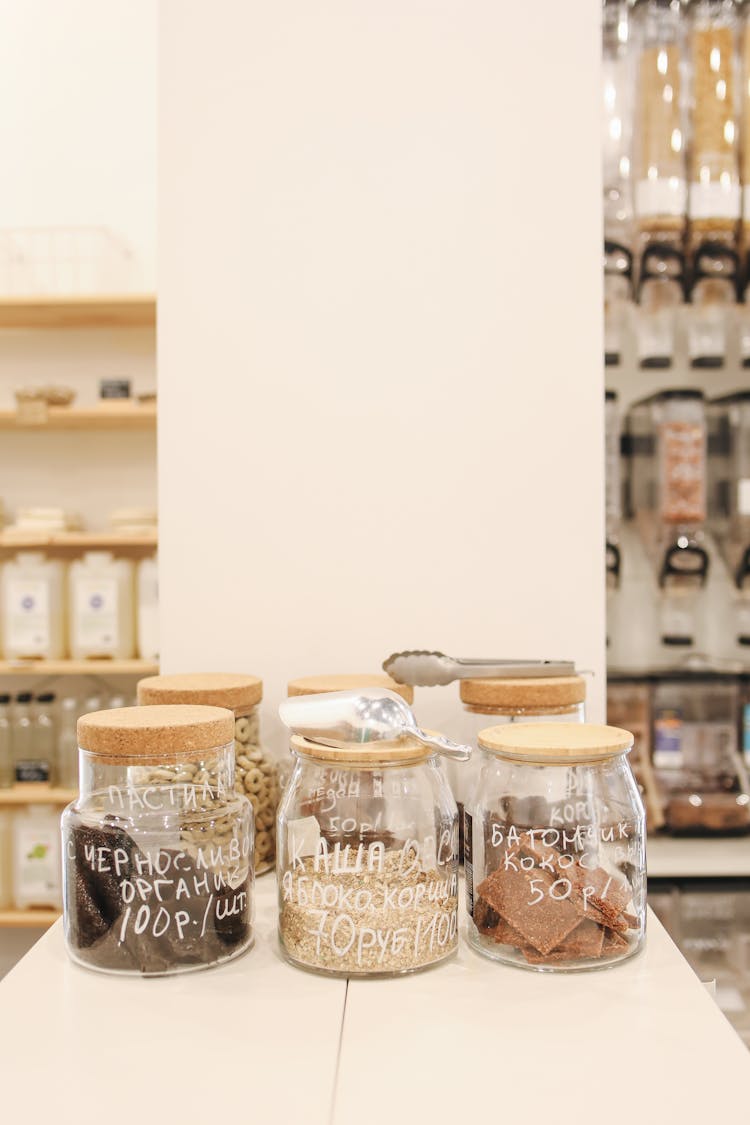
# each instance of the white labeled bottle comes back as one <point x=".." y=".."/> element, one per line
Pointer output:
<point x="33" y="607"/>
<point x="148" y="609"/>
<point x="37" y="864"/>
<point x="101" y="607"/>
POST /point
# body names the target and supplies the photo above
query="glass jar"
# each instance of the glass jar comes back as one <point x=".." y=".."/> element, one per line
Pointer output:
<point x="256" y="774"/>
<point x="158" y="848"/>
<point x="317" y="685"/>
<point x="534" y="700"/>
<point x="555" y="848"/>
<point x="368" y="859"/>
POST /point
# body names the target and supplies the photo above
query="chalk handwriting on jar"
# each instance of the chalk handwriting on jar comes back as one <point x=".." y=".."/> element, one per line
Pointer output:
<point x="560" y="838"/>
<point x="160" y="798"/>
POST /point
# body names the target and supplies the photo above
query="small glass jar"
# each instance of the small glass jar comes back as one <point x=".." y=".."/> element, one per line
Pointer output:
<point x="158" y="848"/>
<point x="555" y="848"/>
<point x="256" y="773"/>
<point x="368" y="859"/>
<point x="538" y="699"/>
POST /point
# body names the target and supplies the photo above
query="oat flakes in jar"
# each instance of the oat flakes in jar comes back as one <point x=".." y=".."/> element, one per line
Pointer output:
<point x="256" y="771"/>
<point x="157" y="848"/>
<point x="367" y="859"/>
<point x="555" y="848"/>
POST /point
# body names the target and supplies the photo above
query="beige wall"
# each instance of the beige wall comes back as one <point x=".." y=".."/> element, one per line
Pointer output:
<point x="380" y="349"/>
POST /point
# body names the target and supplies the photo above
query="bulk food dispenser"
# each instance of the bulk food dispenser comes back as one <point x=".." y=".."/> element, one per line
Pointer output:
<point x="729" y="472"/>
<point x="613" y="508"/>
<point x="667" y="439"/>
<point x="659" y="176"/>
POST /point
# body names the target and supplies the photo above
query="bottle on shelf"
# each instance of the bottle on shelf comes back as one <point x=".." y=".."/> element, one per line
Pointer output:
<point x="101" y="607"/>
<point x="22" y="735"/>
<point x="148" y="609"/>
<point x="6" y="859"/>
<point x="37" y="862"/>
<point x="45" y="737"/>
<point x="33" y="617"/>
<point x="67" y="743"/>
<point x="7" y="767"/>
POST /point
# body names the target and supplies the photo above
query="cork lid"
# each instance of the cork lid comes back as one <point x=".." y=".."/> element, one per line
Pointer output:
<point x="363" y="753"/>
<point x="209" y="689"/>
<point x="154" y="734"/>
<point x="536" y="691"/>
<point x="555" y="743"/>
<point x="316" y="685"/>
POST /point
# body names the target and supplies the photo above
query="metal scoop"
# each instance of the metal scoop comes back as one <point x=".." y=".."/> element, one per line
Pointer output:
<point x="340" y="718"/>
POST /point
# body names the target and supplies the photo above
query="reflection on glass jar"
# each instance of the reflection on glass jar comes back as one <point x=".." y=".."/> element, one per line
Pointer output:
<point x="256" y="772"/>
<point x="367" y="863"/>
<point x="555" y="848"/>
<point x="158" y="848"/>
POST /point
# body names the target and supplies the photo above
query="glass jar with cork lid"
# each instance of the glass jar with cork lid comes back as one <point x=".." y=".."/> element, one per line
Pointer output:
<point x="256" y="772"/>
<point x="555" y="848"/>
<point x="368" y="835"/>
<point x="533" y="699"/>
<point x="157" y="848"/>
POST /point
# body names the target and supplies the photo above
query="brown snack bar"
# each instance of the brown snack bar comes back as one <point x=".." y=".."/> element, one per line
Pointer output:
<point x="610" y="895"/>
<point x="585" y="941"/>
<point x="485" y="918"/>
<point x="542" y="922"/>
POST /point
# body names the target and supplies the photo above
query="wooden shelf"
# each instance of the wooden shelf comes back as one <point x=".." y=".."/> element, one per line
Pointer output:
<point x="17" y="919"/>
<point x="36" y="793"/>
<point x="116" y="415"/>
<point x="78" y="668"/>
<point x="99" y="310"/>
<point x="70" y="541"/>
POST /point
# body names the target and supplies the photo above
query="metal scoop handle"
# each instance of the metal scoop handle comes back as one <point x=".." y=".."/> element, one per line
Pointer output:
<point x="443" y="745"/>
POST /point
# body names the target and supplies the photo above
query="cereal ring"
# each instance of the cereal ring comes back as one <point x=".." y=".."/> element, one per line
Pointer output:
<point x="253" y="801"/>
<point x="253" y="780"/>
<point x="241" y="730"/>
<point x="266" y="818"/>
<point x="244" y="762"/>
<point x="255" y="756"/>
<point x="263" y="843"/>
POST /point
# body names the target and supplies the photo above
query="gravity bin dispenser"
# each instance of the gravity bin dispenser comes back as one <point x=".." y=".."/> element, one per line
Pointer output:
<point x="729" y="477"/>
<point x="667" y="441"/>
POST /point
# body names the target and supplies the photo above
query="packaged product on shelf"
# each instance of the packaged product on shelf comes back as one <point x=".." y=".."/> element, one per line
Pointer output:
<point x="148" y="609"/>
<point x="7" y="764"/>
<point x="703" y="781"/>
<point x="493" y="701"/>
<point x="22" y="738"/>
<point x="729" y="510"/>
<point x="368" y="839"/>
<point x="67" y="744"/>
<point x="158" y="847"/>
<point x="102" y="617"/>
<point x="256" y="773"/>
<point x="629" y="705"/>
<point x="555" y="848"/>
<point x="6" y="859"/>
<point x="32" y="618"/>
<point x="37" y="864"/>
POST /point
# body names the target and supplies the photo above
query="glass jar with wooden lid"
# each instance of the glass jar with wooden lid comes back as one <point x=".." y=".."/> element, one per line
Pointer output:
<point x="537" y="699"/>
<point x="256" y="772"/>
<point x="555" y="847"/>
<point x="316" y="685"/>
<point x="158" y="847"/>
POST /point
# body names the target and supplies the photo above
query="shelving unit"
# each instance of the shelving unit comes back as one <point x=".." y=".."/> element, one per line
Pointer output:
<point x="78" y="668"/>
<point x="100" y="310"/>
<point x="36" y="793"/>
<point x="115" y="415"/>
<point x="18" y="919"/>
<point x="77" y="541"/>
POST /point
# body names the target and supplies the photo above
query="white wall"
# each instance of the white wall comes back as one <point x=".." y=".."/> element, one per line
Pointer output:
<point x="379" y="334"/>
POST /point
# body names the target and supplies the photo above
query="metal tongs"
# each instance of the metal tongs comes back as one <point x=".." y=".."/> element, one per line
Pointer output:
<point x="430" y="669"/>
<point x="342" y="718"/>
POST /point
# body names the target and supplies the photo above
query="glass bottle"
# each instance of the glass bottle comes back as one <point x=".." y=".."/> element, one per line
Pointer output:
<point x="7" y="768"/>
<point x="23" y="740"/>
<point x="67" y="744"/>
<point x="45" y="737"/>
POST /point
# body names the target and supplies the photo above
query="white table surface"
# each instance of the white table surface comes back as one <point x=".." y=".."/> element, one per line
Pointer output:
<point x="675" y="857"/>
<point x="259" y="1041"/>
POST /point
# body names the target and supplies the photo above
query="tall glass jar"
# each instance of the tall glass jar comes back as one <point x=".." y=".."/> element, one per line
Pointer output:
<point x="534" y="700"/>
<point x="256" y="773"/>
<point x="555" y="848"/>
<point x="368" y="859"/>
<point x="158" y="848"/>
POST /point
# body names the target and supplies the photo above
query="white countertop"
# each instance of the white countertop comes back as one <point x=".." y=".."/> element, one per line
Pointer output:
<point x="259" y="1041"/>
<point x="675" y="857"/>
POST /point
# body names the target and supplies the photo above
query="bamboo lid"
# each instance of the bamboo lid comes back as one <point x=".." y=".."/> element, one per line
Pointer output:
<point x="537" y="691"/>
<point x="316" y="685"/>
<point x="209" y="689"/>
<point x="363" y="753"/>
<point x="154" y="734"/>
<point x="555" y="743"/>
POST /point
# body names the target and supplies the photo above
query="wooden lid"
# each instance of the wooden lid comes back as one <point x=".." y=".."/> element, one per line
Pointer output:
<point x="555" y="743"/>
<point x="363" y="753"/>
<point x="316" y="685"/>
<point x="154" y="734"/>
<point x="209" y="689"/>
<point x="541" y="691"/>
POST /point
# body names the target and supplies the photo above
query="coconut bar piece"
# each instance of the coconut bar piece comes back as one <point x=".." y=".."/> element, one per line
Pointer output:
<point x="609" y="897"/>
<point x="543" y="922"/>
<point x="613" y="943"/>
<point x="504" y="934"/>
<point x="586" y="941"/>
<point x="485" y="918"/>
